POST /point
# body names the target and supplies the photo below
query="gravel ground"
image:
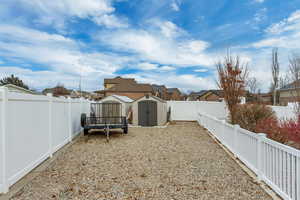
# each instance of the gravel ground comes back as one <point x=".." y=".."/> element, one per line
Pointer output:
<point x="178" y="162"/>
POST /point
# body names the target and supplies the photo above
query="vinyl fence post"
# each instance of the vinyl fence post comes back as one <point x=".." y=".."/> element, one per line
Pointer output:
<point x="81" y="102"/>
<point x="199" y="121"/>
<point x="235" y="139"/>
<point x="298" y="176"/>
<point x="50" y="124"/>
<point x="3" y="132"/>
<point x="70" y="118"/>
<point x="260" y="137"/>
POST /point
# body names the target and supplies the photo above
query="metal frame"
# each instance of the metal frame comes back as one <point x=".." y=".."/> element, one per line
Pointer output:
<point x="97" y="121"/>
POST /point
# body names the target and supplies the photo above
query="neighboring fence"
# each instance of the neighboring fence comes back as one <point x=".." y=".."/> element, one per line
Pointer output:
<point x="284" y="112"/>
<point x="188" y="110"/>
<point x="32" y="128"/>
<point x="276" y="164"/>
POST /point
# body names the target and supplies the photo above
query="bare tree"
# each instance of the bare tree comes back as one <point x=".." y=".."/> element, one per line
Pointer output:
<point x="275" y="73"/>
<point x="232" y="80"/>
<point x="294" y="77"/>
<point x="252" y="85"/>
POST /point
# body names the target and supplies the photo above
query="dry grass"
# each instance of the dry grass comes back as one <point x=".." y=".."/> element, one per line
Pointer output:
<point x="178" y="162"/>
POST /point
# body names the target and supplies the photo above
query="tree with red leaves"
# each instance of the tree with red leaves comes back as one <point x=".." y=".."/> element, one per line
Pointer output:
<point x="232" y="80"/>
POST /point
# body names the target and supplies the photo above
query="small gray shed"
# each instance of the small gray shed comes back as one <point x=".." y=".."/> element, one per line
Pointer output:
<point x="149" y="111"/>
<point x="123" y="100"/>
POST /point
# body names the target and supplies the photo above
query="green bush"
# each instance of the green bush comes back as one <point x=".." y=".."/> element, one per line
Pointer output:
<point x="249" y="115"/>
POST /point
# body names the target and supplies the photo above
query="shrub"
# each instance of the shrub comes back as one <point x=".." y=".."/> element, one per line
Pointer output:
<point x="292" y="128"/>
<point x="249" y="115"/>
<point x="272" y="127"/>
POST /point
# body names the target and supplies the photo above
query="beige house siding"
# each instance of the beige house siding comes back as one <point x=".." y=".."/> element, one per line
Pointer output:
<point x="287" y="96"/>
<point x="108" y="85"/>
<point x="161" y="111"/>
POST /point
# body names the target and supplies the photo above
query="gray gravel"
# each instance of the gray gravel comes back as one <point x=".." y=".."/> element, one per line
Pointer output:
<point x="177" y="162"/>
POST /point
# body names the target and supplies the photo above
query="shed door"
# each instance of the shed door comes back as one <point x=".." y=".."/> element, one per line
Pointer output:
<point x="147" y="113"/>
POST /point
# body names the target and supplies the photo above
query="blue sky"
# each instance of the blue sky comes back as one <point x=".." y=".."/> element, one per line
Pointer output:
<point x="171" y="42"/>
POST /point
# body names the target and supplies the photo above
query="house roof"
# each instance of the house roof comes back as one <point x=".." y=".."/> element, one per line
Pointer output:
<point x="291" y="86"/>
<point x="131" y="88"/>
<point x="119" y="79"/>
<point x="171" y="90"/>
<point x="219" y="93"/>
<point x="159" y="88"/>
<point x="14" y="88"/>
<point x="201" y="93"/>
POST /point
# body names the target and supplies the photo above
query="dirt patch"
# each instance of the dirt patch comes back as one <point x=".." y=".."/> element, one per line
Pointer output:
<point x="178" y="162"/>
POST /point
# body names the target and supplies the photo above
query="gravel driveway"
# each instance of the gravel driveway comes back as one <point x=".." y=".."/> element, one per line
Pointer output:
<point x="177" y="162"/>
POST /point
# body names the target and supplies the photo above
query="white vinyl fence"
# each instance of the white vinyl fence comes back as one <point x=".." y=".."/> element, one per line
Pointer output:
<point x="188" y="110"/>
<point x="284" y="112"/>
<point x="32" y="128"/>
<point x="276" y="164"/>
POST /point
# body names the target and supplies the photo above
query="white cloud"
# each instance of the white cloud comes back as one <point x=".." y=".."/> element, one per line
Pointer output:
<point x="40" y="80"/>
<point x="292" y="23"/>
<point x="156" y="47"/>
<point x="147" y="66"/>
<point x="201" y="70"/>
<point x="175" y="6"/>
<point x="284" y="34"/>
<point x="195" y="46"/>
<point x="259" y="1"/>
<point x="166" y="68"/>
<point x="57" y="12"/>
<point x="170" y="30"/>
<point x="111" y="21"/>
<point x="56" y="53"/>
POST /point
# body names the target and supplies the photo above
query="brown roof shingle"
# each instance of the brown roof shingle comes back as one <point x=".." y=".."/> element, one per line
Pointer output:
<point x="131" y="88"/>
<point x="119" y="80"/>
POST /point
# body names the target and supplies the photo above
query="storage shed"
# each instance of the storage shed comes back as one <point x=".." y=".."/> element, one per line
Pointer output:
<point x="123" y="100"/>
<point x="149" y="111"/>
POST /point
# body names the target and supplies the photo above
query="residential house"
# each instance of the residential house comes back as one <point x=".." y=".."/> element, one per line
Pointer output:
<point x="263" y="98"/>
<point x="160" y="91"/>
<point x="289" y="93"/>
<point x="174" y="94"/>
<point x="87" y="95"/>
<point x="111" y="82"/>
<point x="126" y="87"/>
<point x="212" y="95"/>
<point x="194" y="96"/>
<point x="57" y="91"/>
<point x="207" y="95"/>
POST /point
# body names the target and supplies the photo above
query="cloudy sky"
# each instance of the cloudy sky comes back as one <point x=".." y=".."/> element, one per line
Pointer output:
<point x="171" y="42"/>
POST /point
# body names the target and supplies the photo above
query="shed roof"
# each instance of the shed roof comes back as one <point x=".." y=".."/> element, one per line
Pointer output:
<point x="124" y="99"/>
<point x="154" y="97"/>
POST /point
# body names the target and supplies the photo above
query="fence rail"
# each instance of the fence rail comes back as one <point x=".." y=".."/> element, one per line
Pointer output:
<point x="32" y="128"/>
<point x="276" y="164"/>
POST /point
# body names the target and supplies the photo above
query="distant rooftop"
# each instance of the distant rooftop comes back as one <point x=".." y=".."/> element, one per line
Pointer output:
<point x="125" y="87"/>
<point x="119" y="79"/>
